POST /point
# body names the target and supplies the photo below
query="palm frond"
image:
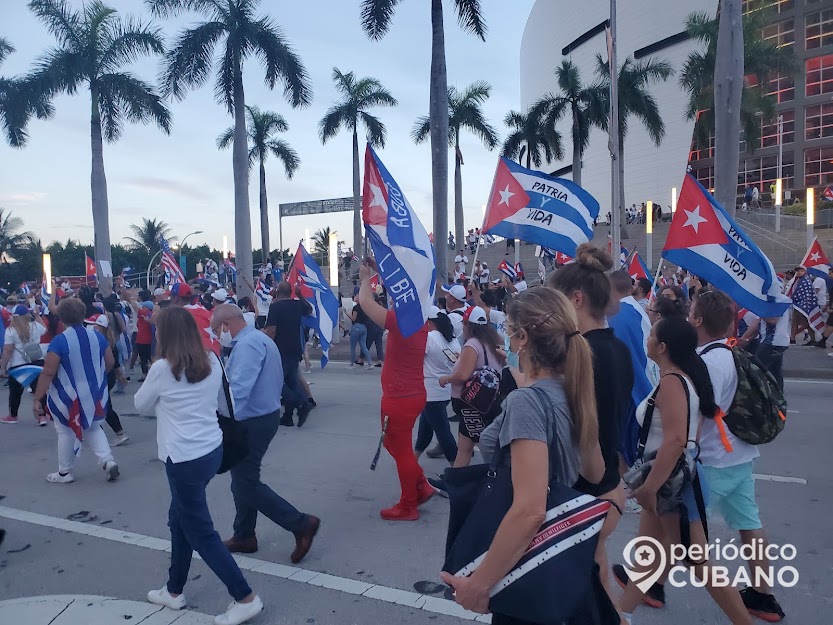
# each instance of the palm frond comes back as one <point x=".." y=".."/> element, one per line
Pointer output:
<point x="470" y="17"/>
<point x="61" y="21"/>
<point x="225" y="138"/>
<point x="280" y="62"/>
<point x="172" y="8"/>
<point x="376" y="132"/>
<point x="335" y="118"/>
<point x="123" y="96"/>
<point x="286" y="154"/>
<point x="127" y="41"/>
<point x="421" y="129"/>
<point x="6" y="48"/>
<point x="188" y="63"/>
<point x="376" y="17"/>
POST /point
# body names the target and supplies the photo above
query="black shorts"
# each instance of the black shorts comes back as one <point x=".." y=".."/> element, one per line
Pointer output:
<point x="472" y="421"/>
<point x="830" y="319"/>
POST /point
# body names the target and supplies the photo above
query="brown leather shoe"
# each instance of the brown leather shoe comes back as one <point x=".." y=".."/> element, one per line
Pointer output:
<point x="241" y="545"/>
<point x="303" y="539"/>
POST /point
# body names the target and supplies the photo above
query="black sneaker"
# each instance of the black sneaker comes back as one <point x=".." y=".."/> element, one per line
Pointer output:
<point x="654" y="598"/>
<point x="303" y="413"/>
<point x="312" y="403"/>
<point x="762" y="606"/>
<point x="287" y="421"/>
<point x="438" y="485"/>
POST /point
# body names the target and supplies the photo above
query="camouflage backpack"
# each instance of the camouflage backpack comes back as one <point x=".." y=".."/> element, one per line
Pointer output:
<point x="759" y="410"/>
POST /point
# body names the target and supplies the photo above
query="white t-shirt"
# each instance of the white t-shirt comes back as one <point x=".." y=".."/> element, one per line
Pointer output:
<point x="820" y="287"/>
<point x="498" y="320"/>
<point x="186" y="414"/>
<point x="249" y="317"/>
<point x="484" y="275"/>
<point x="724" y="378"/>
<point x="520" y="286"/>
<point x="655" y="433"/>
<point x="36" y="331"/>
<point x="461" y="262"/>
<point x="780" y="336"/>
<point x="456" y="318"/>
<point x="440" y="357"/>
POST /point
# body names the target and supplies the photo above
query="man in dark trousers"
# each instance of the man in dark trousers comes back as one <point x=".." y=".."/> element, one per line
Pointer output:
<point x="283" y="325"/>
<point x="254" y="364"/>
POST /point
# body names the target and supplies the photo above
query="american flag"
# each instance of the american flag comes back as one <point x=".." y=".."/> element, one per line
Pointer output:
<point x="806" y="302"/>
<point x="173" y="273"/>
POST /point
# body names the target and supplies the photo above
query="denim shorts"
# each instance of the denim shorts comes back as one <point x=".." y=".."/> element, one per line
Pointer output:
<point x="733" y="493"/>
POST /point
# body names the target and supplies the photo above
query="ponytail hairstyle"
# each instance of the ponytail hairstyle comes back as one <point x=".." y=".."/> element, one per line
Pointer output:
<point x="442" y="324"/>
<point x="680" y="339"/>
<point x="549" y="319"/>
<point x="587" y="275"/>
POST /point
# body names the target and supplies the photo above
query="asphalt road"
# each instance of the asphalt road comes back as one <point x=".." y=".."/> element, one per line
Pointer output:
<point x="323" y="469"/>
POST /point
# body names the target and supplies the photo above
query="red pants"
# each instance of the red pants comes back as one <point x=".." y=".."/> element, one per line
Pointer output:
<point x="402" y="413"/>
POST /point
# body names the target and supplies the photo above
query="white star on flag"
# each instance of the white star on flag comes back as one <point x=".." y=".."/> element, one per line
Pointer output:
<point x="815" y="256"/>
<point x="505" y="195"/>
<point x="694" y="219"/>
<point x="378" y="196"/>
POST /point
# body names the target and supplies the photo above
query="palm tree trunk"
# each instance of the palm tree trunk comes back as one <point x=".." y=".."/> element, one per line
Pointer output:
<point x="98" y="192"/>
<point x="528" y="157"/>
<point x="264" y="216"/>
<point x="459" y="226"/>
<point x="438" y="113"/>
<point x="623" y="221"/>
<point x="358" y="248"/>
<point x="240" y="167"/>
<point x="576" y="152"/>
<point x="728" y="90"/>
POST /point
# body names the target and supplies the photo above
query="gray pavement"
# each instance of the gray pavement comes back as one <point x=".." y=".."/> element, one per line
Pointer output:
<point x="109" y="539"/>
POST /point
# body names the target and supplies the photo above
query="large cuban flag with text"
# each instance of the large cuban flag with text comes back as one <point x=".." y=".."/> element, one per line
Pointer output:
<point x="316" y="290"/>
<point x="537" y="208"/>
<point x="706" y="241"/>
<point x="403" y="252"/>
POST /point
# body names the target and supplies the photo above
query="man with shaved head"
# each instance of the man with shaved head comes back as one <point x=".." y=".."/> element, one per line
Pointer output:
<point x="254" y="370"/>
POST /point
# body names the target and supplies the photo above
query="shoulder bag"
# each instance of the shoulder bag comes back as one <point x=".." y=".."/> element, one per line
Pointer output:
<point x="235" y="443"/>
<point x="555" y="578"/>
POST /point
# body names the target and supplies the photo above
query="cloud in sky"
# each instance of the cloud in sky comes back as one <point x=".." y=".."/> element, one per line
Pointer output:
<point x="185" y="180"/>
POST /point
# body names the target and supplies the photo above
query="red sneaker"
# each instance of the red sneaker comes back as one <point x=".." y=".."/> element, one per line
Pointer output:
<point x="8" y="419"/>
<point x="399" y="513"/>
<point x="424" y="492"/>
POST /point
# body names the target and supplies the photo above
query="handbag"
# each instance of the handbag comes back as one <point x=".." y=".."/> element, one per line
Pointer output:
<point x="235" y="441"/>
<point x="481" y="389"/>
<point x="554" y="578"/>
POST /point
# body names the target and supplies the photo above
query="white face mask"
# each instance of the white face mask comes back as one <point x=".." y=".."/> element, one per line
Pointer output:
<point x="225" y="338"/>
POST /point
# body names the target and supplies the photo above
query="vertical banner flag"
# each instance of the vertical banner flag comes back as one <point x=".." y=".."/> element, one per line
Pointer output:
<point x="638" y="269"/>
<point x="89" y="263"/>
<point x="817" y="262"/>
<point x="706" y="241"/>
<point x="404" y="254"/>
<point x="173" y="272"/>
<point x="316" y="290"/>
<point x="537" y="208"/>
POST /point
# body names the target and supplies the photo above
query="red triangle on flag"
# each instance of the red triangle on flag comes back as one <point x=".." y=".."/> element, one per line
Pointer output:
<point x="695" y="222"/>
<point x="507" y="197"/>
<point x="815" y="256"/>
<point x="636" y="270"/>
<point x="90" y="266"/>
<point x="374" y="194"/>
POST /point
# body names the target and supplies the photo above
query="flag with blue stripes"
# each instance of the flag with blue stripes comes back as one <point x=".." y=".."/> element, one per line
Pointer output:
<point x="24" y="288"/>
<point x="124" y="345"/>
<point x="404" y="253"/>
<point x="316" y="290"/>
<point x="78" y="394"/>
<point x="25" y="374"/>
<point x="535" y="207"/>
<point x="507" y="269"/>
<point x="263" y="293"/>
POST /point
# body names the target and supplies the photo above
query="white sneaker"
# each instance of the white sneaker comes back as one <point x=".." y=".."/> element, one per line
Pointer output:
<point x="163" y="597"/>
<point x="57" y="478"/>
<point x="631" y="505"/>
<point x="112" y="471"/>
<point x="308" y="370"/>
<point x="352" y="365"/>
<point x="368" y="365"/>
<point x="121" y="439"/>
<point x="240" y="612"/>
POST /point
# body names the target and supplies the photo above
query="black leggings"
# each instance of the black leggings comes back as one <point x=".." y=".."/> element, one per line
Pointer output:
<point x="16" y="394"/>
<point x="112" y="418"/>
<point x="144" y="356"/>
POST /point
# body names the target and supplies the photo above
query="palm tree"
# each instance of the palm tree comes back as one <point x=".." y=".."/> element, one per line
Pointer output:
<point x="321" y="246"/>
<point x="761" y="59"/>
<point x="376" y="19"/>
<point x="530" y="135"/>
<point x="465" y="112"/>
<point x="359" y="96"/>
<point x="94" y="45"/>
<point x="635" y="100"/>
<point x="18" y="102"/>
<point x="12" y="241"/>
<point x="147" y="235"/>
<point x="261" y="128"/>
<point x="188" y="65"/>
<point x="584" y="103"/>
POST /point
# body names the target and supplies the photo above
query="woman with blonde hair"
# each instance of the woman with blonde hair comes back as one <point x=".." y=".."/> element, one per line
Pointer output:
<point x="19" y="349"/>
<point x="543" y="341"/>
<point x="183" y="389"/>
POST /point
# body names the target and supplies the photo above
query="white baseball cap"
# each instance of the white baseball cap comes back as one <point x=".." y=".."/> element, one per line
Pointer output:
<point x="457" y="291"/>
<point x="99" y="320"/>
<point x="221" y="295"/>
<point x="476" y="315"/>
<point x="434" y="312"/>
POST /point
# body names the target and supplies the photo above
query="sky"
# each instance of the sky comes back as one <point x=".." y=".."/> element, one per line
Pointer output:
<point x="184" y="180"/>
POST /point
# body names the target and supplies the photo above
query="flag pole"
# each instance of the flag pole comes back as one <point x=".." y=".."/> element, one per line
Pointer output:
<point x="613" y="129"/>
<point x="656" y="279"/>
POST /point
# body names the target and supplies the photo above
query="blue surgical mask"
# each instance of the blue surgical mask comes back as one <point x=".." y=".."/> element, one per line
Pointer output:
<point x="512" y="358"/>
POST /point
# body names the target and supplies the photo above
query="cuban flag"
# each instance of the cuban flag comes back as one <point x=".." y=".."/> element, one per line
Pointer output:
<point x="25" y="374"/>
<point x="706" y="241"/>
<point x="806" y="302"/>
<point x="817" y="262"/>
<point x="623" y="255"/>
<point x="124" y="345"/>
<point x="534" y="207"/>
<point x="316" y="290"/>
<point x="78" y="394"/>
<point x="404" y="253"/>
<point x="24" y="288"/>
<point x="89" y="264"/>
<point x="263" y="293"/>
<point x="519" y="268"/>
<point x="637" y="268"/>
<point x="507" y="269"/>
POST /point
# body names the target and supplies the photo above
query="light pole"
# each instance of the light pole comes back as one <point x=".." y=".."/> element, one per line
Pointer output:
<point x="811" y="214"/>
<point x="780" y="177"/>
<point x="183" y="262"/>
<point x="649" y="232"/>
<point x="150" y="266"/>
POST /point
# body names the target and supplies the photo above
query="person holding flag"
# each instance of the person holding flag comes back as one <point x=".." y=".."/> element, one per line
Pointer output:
<point x="22" y="357"/>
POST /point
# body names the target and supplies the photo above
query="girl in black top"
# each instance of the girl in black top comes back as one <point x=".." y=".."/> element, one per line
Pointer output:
<point x="586" y="285"/>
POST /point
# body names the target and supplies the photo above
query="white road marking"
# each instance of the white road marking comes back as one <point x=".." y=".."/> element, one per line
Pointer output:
<point x="779" y="478"/>
<point x="792" y="412"/>
<point x="797" y="380"/>
<point x="428" y="603"/>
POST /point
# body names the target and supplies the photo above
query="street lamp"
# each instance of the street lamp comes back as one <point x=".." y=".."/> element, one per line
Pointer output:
<point x="649" y="231"/>
<point x="779" y="198"/>
<point x="811" y="214"/>
<point x="183" y="262"/>
<point x="47" y="271"/>
<point x="673" y="200"/>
